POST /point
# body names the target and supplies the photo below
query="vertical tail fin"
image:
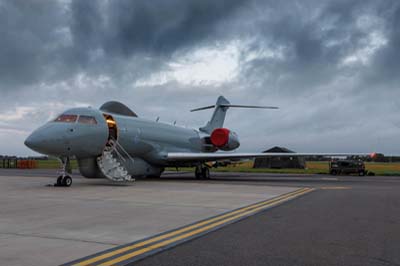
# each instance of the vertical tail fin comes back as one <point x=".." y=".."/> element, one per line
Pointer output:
<point x="220" y="108"/>
<point x="218" y="117"/>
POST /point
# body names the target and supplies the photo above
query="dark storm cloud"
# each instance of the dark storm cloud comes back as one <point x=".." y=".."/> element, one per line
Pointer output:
<point x="313" y="42"/>
<point x="49" y="40"/>
<point x="163" y="27"/>
<point x="28" y="32"/>
<point x="386" y="64"/>
<point x="44" y="41"/>
<point x="153" y="28"/>
<point x="86" y="25"/>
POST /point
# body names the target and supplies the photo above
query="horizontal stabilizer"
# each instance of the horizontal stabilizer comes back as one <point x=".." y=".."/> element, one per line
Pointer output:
<point x="202" y="108"/>
<point x="234" y="105"/>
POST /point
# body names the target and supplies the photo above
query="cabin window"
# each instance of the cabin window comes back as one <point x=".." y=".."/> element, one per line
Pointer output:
<point x="66" y="118"/>
<point x="84" y="119"/>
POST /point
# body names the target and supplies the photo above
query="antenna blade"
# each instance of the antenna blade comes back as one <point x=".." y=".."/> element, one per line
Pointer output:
<point x="202" y="108"/>
<point x="249" y="106"/>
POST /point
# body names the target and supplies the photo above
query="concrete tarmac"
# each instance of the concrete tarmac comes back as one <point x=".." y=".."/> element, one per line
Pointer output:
<point x="44" y="225"/>
<point x="348" y="220"/>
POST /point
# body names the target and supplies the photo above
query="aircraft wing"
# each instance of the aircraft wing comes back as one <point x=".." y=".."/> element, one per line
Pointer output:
<point x="207" y="157"/>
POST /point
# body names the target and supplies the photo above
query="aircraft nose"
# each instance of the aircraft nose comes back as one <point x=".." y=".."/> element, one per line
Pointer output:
<point x="49" y="139"/>
<point x="34" y="141"/>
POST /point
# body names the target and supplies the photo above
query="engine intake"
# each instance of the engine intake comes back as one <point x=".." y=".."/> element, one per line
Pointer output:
<point x="224" y="139"/>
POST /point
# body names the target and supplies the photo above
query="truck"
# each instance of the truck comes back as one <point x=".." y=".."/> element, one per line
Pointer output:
<point x="339" y="167"/>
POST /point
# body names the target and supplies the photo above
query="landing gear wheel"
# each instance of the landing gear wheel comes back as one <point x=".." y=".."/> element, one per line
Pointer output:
<point x="64" y="180"/>
<point x="67" y="181"/>
<point x="198" y="173"/>
<point x="206" y="173"/>
<point x="59" y="181"/>
<point x="202" y="172"/>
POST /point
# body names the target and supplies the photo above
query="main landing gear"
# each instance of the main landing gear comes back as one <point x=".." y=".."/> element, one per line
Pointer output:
<point x="202" y="172"/>
<point x="64" y="180"/>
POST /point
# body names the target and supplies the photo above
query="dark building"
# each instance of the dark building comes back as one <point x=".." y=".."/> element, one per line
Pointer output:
<point x="280" y="162"/>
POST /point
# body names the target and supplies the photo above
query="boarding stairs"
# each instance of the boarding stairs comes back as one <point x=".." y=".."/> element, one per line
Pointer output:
<point x="112" y="162"/>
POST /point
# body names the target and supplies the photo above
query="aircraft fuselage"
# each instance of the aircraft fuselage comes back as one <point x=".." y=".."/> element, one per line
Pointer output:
<point x="146" y="141"/>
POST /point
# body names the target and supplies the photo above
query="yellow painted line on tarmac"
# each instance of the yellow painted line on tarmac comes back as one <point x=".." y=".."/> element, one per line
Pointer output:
<point x="198" y="231"/>
<point x="182" y="230"/>
<point x="201" y="227"/>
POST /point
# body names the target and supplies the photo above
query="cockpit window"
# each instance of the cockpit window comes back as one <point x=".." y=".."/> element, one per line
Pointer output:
<point x="84" y="119"/>
<point x="66" y="118"/>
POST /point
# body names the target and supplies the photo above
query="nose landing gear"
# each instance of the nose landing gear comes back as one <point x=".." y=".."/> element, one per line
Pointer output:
<point x="64" y="180"/>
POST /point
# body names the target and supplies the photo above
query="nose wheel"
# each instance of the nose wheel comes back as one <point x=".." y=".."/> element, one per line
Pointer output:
<point x="64" y="180"/>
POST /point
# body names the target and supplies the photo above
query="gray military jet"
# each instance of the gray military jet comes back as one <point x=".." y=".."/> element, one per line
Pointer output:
<point x="113" y="142"/>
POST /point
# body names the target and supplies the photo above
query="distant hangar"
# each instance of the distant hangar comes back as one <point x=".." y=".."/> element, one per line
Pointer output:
<point x="280" y="162"/>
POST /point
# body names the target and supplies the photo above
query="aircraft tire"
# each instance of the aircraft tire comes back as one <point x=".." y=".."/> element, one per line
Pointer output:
<point x="206" y="173"/>
<point x="59" y="181"/>
<point x="198" y="173"/>
<point x="67" y="181"/>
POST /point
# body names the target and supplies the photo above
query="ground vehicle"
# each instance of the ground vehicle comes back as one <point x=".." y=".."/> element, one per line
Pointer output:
<point x="337" y="167"/>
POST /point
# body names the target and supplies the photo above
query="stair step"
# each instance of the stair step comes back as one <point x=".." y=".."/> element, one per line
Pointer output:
<point x="111" y="166"/>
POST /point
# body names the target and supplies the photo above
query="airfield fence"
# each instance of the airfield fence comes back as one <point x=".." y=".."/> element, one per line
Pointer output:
<point x="18" y="163"/>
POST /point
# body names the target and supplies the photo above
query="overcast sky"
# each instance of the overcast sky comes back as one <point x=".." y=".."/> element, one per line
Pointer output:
<point x="333" y="67"/>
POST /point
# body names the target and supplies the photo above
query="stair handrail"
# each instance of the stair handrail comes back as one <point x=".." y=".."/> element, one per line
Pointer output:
<point x="122" y="148"/>
<point x="115" y="148"/>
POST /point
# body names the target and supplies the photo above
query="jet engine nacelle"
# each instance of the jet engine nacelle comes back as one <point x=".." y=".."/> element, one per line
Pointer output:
<point x="224" y="139"/>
